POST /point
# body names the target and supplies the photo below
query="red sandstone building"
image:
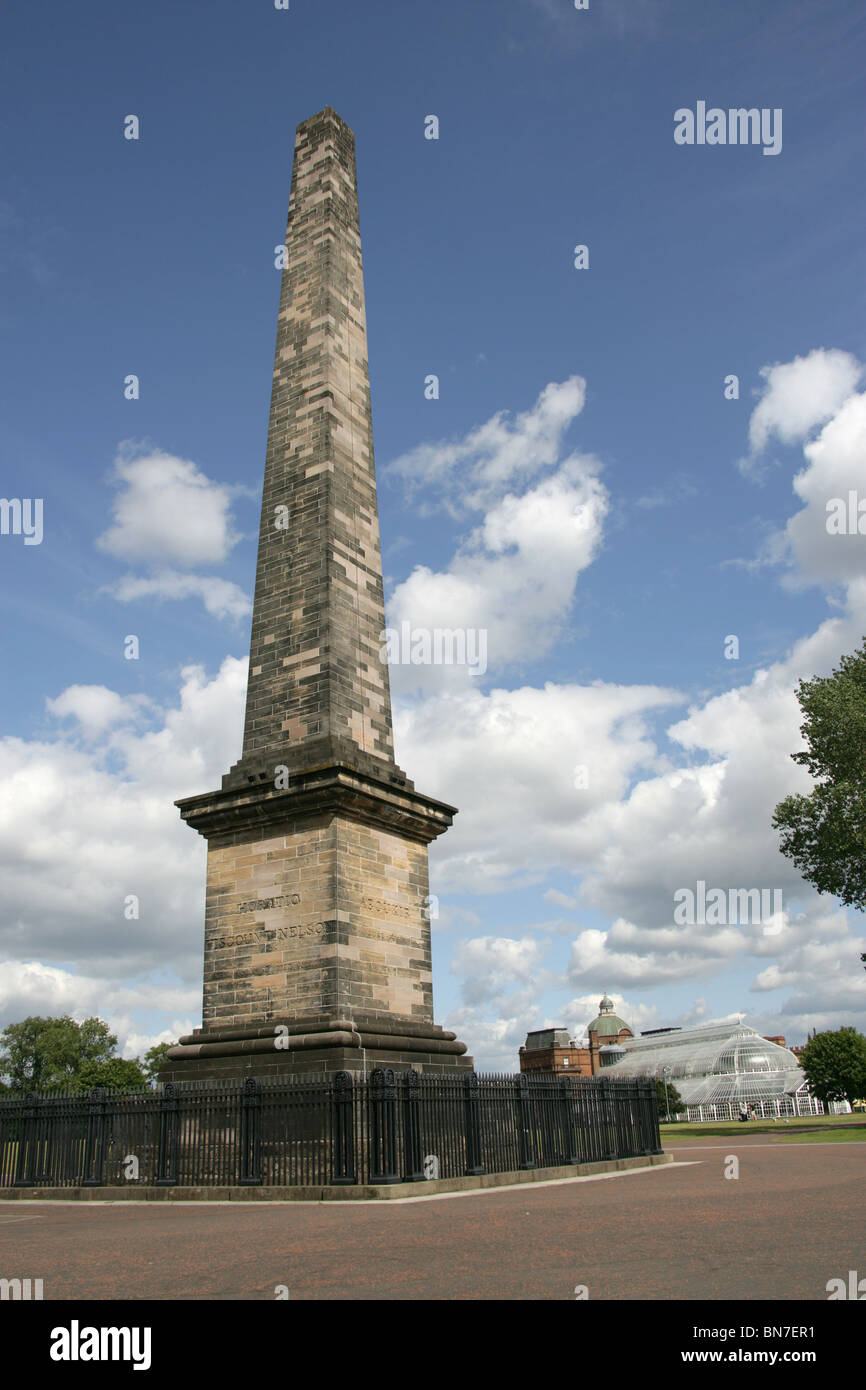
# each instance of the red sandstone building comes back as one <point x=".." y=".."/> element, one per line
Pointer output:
<point x="551" y="1051"/>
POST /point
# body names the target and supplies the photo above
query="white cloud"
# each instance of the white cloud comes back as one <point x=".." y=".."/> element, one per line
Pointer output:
<point x="835" y="467"/>
<point x="508" y="760"/>
<point x="650" y="823"/>
<point x="798" y="396"/>
<point x="96" y="709"/>
<point x="802" y="394"/>
<point x="513" y="578"/>
<point x="220" y="597"/>
<point x="478" y="468"/>
<point x="658" y="955"/>
<point x="83" y="826"/>
<point x="494" y="1042"/>
<point x="167" y="512"/>
<point x="30" y="987"/>
<point x="491" y="967"/>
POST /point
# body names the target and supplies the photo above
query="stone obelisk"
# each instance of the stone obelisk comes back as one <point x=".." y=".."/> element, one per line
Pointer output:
<point x="317" y="922"/>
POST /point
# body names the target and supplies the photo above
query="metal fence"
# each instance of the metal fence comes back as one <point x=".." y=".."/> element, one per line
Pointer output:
<point x="323" y="1131"/>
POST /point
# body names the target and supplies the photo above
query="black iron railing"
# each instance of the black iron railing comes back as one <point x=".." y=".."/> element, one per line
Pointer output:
<point x="322" y="1131"/>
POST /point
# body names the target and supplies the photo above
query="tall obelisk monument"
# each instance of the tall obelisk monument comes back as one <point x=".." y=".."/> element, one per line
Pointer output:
<point x="317" y="923"/>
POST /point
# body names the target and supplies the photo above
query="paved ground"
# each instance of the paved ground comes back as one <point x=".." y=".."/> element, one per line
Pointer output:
<point x="792" y="1220"/>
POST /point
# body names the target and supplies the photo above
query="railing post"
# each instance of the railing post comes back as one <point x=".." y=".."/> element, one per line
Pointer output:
<point x="413" y="1156"/>
<point x="344" y="1171"/>
<point x="166" y="1163"/>
<point x="569" y="1131"/>
<point x="523" y="1118"/>
<point x="608" y="1119"/>
<point x="27" y="1130"/>
<point x="616" y="1101"/>
<point x="383" y="1166"/>
<point x="94" y="1144"/>
<point x="651" y="1122"/>
<point x="471" y="1121"/>
<point x="251" y="1133"/>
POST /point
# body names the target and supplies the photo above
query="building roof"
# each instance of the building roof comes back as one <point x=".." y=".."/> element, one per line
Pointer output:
<point x="608" y="1024"/>
<point x="722" y="1062"/>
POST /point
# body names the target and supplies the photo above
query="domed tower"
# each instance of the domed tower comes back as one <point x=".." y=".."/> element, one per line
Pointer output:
<point x="607" y="1030"/>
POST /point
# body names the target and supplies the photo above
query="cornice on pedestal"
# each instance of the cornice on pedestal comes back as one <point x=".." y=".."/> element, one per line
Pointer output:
<point x="338" y="788"/>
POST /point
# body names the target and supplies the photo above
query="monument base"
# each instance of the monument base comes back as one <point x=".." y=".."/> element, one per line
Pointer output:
<point x="294" y="1047"/>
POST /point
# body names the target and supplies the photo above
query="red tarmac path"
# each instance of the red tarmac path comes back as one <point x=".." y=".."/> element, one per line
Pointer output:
<point x="792" y="1220"/>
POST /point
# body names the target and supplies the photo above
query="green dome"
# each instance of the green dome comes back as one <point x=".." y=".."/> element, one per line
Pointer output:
<point x="608" y="1024"/>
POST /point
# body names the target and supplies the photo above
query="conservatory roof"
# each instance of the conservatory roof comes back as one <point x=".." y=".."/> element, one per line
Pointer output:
<point x="726" y="1061"/>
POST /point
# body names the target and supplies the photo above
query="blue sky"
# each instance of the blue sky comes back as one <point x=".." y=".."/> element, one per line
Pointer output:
<point x="606" y="391"/>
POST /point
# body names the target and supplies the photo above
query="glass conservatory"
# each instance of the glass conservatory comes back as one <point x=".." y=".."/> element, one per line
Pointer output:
<point x="718" y="1069"/>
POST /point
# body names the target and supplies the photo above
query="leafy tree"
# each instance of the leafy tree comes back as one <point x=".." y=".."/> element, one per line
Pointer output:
<point x="43" y="1052"/>
<point x="674" y="1099"/>
<point x="153" y="1059"/>
<point x="118" y="1072"/>
<point x="834" y="1064"/>
<point x="825" y="833"/>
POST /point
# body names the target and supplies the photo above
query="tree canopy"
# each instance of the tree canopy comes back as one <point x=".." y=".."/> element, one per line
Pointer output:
<point x="41" y="1053"/>
<point x="824" y="833"/>
<point x="153" y="1059"/>
<point x="834" y="1064"/>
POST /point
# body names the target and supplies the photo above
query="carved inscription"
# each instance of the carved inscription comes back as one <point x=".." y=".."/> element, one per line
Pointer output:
<point x="297" y="931"/>
<point x="266" y="904"/>
<point x="386" y="909"/>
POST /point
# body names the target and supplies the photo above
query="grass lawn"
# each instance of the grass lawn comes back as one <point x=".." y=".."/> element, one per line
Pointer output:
<point x="816" y="1127"/>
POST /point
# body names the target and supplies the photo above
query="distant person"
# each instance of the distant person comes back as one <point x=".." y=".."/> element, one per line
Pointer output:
<point x="744" y="1114"/>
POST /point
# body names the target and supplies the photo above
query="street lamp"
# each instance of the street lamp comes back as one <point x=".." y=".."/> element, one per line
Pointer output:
<point x="666" y="1071"/>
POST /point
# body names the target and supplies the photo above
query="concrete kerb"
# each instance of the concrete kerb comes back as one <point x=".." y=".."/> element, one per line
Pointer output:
<point x="367" y="1193"/>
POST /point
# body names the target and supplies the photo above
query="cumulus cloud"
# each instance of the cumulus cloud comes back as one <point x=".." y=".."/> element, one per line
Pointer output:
<point x="166" y="511"/>
<point x="512" y="577"/>
<point x="31" y="988"/>
<point x="642" y="956"/>
<point x="494" y="1041"/>
<point x="645" y="823"/>
<point x="797" y="397"/>
<point x="169" y="516"/>
<point x="491" y="967"/>
<point x="825" y="542"/>
<point x="470" y="472"/>
<point x="86" y="824"/>
<point x="802" y="394"/>
<point x="528" y="768"/>
<point x="96" y="709"/>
